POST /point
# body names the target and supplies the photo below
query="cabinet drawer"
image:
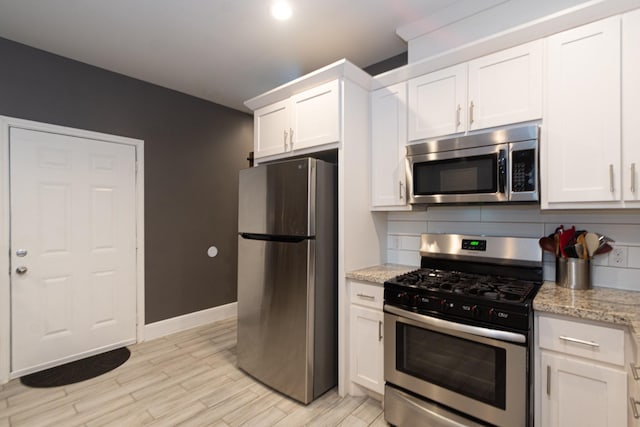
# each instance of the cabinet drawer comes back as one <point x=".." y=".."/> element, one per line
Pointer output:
<point x="368" y="295"/>
<point x="582" y="339"/>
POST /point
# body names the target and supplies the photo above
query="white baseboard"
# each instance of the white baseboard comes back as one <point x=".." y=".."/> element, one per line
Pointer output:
<point x="188" y="321"/>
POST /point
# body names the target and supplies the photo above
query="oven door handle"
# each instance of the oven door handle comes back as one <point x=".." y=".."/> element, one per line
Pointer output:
<point x="458" y="327"/>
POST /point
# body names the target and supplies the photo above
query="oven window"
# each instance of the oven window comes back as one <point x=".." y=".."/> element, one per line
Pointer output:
<point x="456" y="176"/>
<point x="466" y="367"/>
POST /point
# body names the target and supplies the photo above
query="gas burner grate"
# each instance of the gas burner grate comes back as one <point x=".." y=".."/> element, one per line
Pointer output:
<point x="471" y="285"/>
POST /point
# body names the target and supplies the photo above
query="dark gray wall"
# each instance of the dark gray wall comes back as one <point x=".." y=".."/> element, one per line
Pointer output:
<point x="193" y="151"/>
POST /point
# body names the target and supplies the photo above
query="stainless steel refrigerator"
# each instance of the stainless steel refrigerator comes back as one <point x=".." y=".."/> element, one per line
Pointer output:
<point x="287" y="276"/>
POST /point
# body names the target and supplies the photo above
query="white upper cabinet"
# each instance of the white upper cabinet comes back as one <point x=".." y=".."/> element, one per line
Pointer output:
<point x="308" y="119"/>
<point x="271" y="129"/>
<point x="388" y="147"/>
<point x="316" y="116"/>
<point x="494" y="90"/>
<point x="506" y="87"/>
<point x="630" y="106"/>
<point x="581" y="142"/>
<point x="437" y="103"/>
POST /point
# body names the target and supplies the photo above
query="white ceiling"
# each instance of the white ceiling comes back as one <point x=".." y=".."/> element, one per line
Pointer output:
<point x="225" y="51"/>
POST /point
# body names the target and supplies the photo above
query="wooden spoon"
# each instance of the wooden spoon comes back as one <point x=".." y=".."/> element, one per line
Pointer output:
<point x="547" y="244"/>
<point x="592" y="243"/>
<point x="582" y="244"/>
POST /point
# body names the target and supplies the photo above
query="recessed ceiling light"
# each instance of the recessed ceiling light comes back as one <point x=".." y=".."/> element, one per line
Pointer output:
<point x="281" y="10"/>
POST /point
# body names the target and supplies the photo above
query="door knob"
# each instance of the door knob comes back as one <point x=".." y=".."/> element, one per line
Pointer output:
<point x="21" y="270"/>
<point x="21" y="252"/>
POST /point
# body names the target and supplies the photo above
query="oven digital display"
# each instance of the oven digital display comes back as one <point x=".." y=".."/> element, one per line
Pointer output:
<point x="474" y="245"/>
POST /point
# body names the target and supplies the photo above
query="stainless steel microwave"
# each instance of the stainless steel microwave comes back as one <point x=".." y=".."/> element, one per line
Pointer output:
<point x="496" y="166"/>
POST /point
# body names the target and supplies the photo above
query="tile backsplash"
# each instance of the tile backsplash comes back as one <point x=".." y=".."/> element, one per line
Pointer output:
<point x="621" y="271"/>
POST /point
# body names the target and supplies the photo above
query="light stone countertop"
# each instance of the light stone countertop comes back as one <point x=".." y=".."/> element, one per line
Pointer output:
<point x="615" y="306"/>
<point x="379" y="273"/>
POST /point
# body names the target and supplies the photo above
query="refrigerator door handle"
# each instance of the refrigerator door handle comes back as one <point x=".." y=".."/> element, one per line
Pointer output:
<point x="274" y="238"/>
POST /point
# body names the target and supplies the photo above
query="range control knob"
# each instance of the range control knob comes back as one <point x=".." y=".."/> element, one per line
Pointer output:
<point x="475" y="311"/>
<point x="446" y="305"/>
<point x="415" y="300"/>
<point x="402" y="297"/>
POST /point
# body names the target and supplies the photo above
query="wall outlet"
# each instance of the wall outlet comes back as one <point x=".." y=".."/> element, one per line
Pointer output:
<point x="618" y="256"/>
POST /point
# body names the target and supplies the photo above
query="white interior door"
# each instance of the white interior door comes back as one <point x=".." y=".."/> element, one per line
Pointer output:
<point x="73" y="235"/>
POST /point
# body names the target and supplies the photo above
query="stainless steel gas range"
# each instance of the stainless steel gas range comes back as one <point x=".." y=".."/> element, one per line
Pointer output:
<point x="459" y="333"/>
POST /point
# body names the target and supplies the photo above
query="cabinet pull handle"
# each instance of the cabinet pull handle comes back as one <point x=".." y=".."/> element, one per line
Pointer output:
<point x="366" y="296"/>
<point x="611" y="188"/>
<point x="634" y="408"/>
<point x="633" y="177"/>
<point x="401" y="190"/>
<point x="548" y="380"/>
<point x="291" y="137"/>
<point x="286" y="134"/>
<point x="577" y="341"/>
<point x="634" y="371"/>
<point x="379" y="330"/>
<point x="471" y="107"/>
<point x="458" y="116"/>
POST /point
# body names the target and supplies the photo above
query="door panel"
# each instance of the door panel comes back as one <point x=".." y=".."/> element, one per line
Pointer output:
<point x="582" y="117"/>
<point x="73" y="210"/>
<point x="437" y="103"/>
<point x="275" y="199"/>
<point x="273" y="293"/>
<point x="506" y="87"/>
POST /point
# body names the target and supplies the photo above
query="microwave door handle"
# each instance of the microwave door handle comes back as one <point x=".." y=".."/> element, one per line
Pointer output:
<point x="502" y="170"/>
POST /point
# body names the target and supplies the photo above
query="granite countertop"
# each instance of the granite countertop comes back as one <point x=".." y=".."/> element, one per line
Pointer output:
<point x="379" y="273"/>
<point x="615" y="306"/>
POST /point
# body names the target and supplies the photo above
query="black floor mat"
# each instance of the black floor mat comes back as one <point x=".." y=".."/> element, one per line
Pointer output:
<point x="79" y="370"/>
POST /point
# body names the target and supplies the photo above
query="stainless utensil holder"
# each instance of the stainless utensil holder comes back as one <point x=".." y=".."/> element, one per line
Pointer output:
<point x="573" y="273"/>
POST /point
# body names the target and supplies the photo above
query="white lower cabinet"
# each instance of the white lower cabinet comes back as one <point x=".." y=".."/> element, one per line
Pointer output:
<point x="582" y="393"/>
<point x="582" y="380"/>
<point x="634" y="393"/>
<point x="365" y="335"/>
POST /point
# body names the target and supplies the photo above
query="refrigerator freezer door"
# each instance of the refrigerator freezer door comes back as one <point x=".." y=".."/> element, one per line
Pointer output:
<point x="275" y="199"/>
<point x="275" y="321"/>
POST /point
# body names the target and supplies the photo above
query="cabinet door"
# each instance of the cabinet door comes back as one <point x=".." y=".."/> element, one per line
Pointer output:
<point x="630" y="105"/>
<point x="367" y="348"/>
<point x="437" y="103"/>
<point x="271" y="129"/>
<point x="581" y="393"/>
<point x="581" y="140"/>
<point x="316" y="116"/>
<point x="388" y="146"/>
<point x="506" y="87"/>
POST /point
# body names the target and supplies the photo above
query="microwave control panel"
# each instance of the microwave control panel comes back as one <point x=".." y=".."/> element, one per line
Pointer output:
<point x="523" y="171"/>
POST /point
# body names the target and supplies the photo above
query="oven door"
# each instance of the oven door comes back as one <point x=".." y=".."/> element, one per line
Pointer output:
<point x="459" y="176"/>
<point x="474" y="370"/>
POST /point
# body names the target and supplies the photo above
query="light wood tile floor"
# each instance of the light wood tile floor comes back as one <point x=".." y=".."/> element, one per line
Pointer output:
<point x="186" y="379"/>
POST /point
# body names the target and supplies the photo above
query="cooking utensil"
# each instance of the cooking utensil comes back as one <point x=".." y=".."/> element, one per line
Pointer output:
<point x="547" y="244"/>
<point x="603" y="249"/>
<point x="565" y="236"/>
<point x="581" y="247"/>
<point x="604" y="239"/>
<point x="593" y="243"/>
<point x="570" y="251"/>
